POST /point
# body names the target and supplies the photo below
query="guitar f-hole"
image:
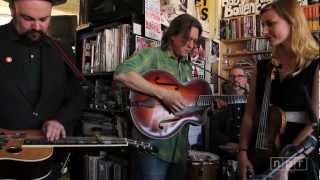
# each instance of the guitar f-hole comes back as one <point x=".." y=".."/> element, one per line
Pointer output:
<point x="158" y="82"/>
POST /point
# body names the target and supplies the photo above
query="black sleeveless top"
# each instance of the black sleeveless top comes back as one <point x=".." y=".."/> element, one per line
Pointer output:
<point x="291" y="94"/>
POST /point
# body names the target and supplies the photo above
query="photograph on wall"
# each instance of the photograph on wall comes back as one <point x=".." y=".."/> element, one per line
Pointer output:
<point x="198" y="58"/>
<point x="142" y="42"/>
<point x="172" y="8"/>
<point x="215" y="49"/>
<point x="198" y="52"/>
<point x="152" y="19"/>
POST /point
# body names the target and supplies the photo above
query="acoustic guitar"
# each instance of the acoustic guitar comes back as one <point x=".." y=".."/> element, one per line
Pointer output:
<point x="29" y="153"/>
<point x="154" y="120"/>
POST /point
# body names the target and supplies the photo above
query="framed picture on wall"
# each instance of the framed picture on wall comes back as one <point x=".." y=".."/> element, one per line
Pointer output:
<point x="143" y="42"/>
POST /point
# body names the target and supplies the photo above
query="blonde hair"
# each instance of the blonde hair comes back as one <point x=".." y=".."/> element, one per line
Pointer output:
<point x="303" y="45"/>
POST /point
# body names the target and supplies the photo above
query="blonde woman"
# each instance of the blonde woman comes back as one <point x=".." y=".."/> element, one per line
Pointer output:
<point x="297" y="53"/>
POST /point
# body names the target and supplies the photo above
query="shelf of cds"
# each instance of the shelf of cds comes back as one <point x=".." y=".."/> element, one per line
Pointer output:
<point x="103" y="50"/>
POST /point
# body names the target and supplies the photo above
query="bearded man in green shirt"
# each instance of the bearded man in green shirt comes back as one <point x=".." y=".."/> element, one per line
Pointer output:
<point x="169" y="163"/>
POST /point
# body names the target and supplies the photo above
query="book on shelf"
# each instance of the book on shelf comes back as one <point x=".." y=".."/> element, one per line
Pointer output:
<point x="312" y="15"/>
<point x="240" y="27"/>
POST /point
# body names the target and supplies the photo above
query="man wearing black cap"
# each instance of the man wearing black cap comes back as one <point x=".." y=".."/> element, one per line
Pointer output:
<point x="40" y="87"/>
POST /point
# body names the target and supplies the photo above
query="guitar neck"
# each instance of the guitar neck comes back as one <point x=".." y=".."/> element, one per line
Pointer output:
<point x="205" y="100"/>
<point x="262" y="139"/>
<point x="90" y="142"/>
<point x="77" y="142"/>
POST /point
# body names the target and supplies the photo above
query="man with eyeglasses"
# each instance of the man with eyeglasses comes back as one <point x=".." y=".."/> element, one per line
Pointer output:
<point x="225" y="126"/>
<point x="238" y="84"/>
<point x="169" y="163"/>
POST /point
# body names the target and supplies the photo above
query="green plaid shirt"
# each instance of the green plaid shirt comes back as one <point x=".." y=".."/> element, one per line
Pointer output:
<point x="173" y="149"/>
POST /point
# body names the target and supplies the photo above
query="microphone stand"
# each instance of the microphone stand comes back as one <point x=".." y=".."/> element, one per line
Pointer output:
<point x="220" y="77"/>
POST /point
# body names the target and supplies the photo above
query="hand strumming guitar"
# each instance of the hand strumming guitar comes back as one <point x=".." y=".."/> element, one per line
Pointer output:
<point x="171" y="99"/>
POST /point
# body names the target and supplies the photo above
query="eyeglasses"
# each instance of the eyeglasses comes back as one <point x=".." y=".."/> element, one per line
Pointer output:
<point x="189" y="40"/>
<point x="236" y="76"/>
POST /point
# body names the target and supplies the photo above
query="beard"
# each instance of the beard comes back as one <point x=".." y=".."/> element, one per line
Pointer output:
<point x="32" y="36"/>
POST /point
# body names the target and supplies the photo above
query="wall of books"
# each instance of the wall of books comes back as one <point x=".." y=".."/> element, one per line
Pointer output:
<point x="241" y="39"/>
<point x="312" y="13"/>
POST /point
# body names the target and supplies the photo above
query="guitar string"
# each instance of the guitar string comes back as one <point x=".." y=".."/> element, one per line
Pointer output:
<point x="261" y="120"/>
<point x="260" y="143"/>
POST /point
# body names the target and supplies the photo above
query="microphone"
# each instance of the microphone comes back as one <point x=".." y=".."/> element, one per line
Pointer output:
<point x="220" y="77"/>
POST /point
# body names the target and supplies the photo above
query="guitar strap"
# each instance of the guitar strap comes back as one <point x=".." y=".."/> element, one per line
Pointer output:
<point x="67" y="59"/>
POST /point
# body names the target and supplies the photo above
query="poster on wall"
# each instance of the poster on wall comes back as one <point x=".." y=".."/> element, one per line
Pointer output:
<point x="142" y="42"/>
<point x="198" y="58"/>
<point x="152" y="19"/>
<point x="215" y="48"/>
<point x="202" y="9"/>
<point x="242" y="7"/>
<point x="171" y="9"/>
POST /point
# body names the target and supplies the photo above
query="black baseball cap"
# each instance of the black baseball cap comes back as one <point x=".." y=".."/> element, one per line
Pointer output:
<point x="54" y="2"/>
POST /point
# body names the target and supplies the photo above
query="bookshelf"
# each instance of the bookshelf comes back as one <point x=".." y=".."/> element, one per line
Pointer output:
<point x="312" y="13"/>
<point x="241" y="43"/>
<point x="101" y="46"/>
<point x="105" y="38"/>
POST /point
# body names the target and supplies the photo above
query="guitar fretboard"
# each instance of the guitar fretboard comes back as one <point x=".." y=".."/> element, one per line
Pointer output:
<point x="77" y="142"/>
<point x="205" y="100"/>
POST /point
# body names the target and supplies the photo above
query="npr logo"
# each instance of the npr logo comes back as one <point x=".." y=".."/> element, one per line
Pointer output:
<point x="287" y="164"/>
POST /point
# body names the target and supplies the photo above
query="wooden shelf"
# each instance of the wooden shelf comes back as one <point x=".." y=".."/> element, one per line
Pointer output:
<point x="83" y="27"/>
<point x="241" y="40"/>
<point x="246" y="53"/>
